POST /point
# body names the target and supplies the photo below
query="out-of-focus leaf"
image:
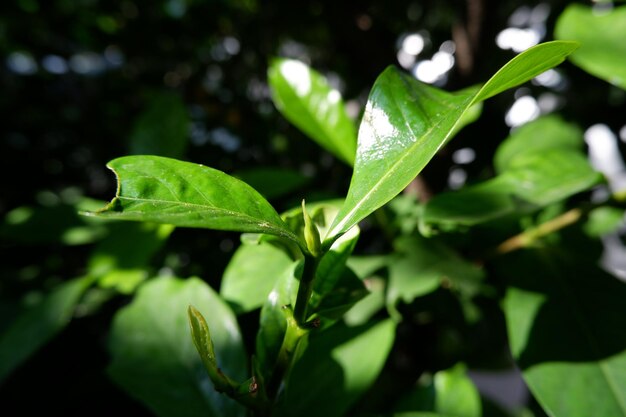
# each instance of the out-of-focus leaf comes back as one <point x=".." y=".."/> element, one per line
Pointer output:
<point x="604" y="220"/>
<point x="162" y="128"/>
<point x="347" y="291"/>
<point x="273" y="182"/>
<point x="35" y="326"/>
<point x="154" y="358"/>
<point x="539" y="165"/>
<point x="603" y="50"/>
<point x="251" y="274"/>
<point x="455" y="394"/>
<point x="41" y="225"/>
<point x="422" y="265"/>
<point x="306" y="99"/>
<point x="338" y="366"/>
<point x="406" y="122"/>
<point x="549" y="132"/>
<point x="120" y="260"/>
<point x="163" y="190"/>
<point x="565" y="319"/>
<point x="367" y="307"/>
<point x="366" y="265"/>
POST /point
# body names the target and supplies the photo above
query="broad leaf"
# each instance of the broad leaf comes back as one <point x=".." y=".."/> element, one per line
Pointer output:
<point x="273" y="182"/>
<point x="549" y="132"/>
<point x="36" y="325"/>
<point x="566" y="321"/>
<point x="154" y="358"/>
<point x="163" y="190"/>
<point x="456" y="394"/>
<point x="162" y="128"/>
<point x="251" y="274"/>
<point x="603" y="50"/>
<point x="121" y="260"/>
<point x="304" y="97"/>
<point x="406" y="122"/>
<point x="337" y="367"/>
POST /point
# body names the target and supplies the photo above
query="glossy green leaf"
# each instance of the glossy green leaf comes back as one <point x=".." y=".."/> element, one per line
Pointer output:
<point x="36" y="325"/>
<point x="566" y="321"/>
<point x="545" y="133"/>
<point x="337" y="367"/>
<point x="273" y="182"/>
<point x="153" y="356"/>
<point x="407" y="122"/>
<point x="455" y="394"/>
<point x="603" y="50"/>
<point x="251" y="274"/>
<point x="121" y="260"/>
<point x="306" y="99"/>
<point x="163" y="190"/>
<point x="162" y="128"/>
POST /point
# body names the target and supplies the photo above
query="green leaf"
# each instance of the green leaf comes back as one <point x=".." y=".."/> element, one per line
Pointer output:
<point x="455" y="394"/>
<point x="566" y="321"/>
<point x="37" y="325"/>
<point x="251" y="274"/>
<point x="545" y="133"/>
<point x="407" y="122"/>
<point x="121" y="260"/>
<point x="153" y="356"/>
<point x="603" y="50"/>
<point x="163" y="190"/>
<point x="604" y="220"/>
<point x="306" y="99"/>
<point x="337" y="367"/>
<point x="162" y="128"/>
<point x="273" y="182"/>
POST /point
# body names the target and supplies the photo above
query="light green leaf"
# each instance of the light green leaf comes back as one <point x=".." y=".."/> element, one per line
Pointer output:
<point x="407" y="122"/>
<point x="338" y="366"/>
<point x="37" y="325"/>
<point x="306" y="99"/>
<point x="603" y="50"/>
<point x="565" y="319"/>
<point x="545" y="133"/>
<point x="153" y="356"/>
<point x="162" y="128"/>
<point x="455" y="394"/>
<point x="163" y="190"/>
<point x="604" y="220"/>
<point x="251" y="274"/>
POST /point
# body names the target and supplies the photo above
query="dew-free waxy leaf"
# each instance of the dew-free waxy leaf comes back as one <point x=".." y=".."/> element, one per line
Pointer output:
<point x="306" y="99"/>
<point x="164" y="190"/>
<point x="603" y="51"/>
<point x="154" y="358"/>
<point x="406" y="122"/>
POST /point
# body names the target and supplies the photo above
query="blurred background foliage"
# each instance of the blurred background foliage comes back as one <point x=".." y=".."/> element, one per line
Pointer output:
<point x="85" y="81"/>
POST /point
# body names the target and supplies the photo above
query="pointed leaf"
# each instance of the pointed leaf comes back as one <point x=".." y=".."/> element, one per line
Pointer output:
<point x="35" y="326"/>
<point x="603" y="50"/>
<point x="407" y="122"/>
<point x="154" y="358"/>
<point x="163" y="190"/>
<point x="565" y="319"/>
<point x="306" y="99"/>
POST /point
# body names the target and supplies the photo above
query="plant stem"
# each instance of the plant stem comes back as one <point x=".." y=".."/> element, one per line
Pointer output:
<point x="528" y="237"/>
<point x="305" y="289"/>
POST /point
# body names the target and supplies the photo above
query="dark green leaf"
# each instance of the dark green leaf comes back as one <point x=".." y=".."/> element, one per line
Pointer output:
<point x="565" y="319"/>
<point x="337" y="367"/>
<point x="154" y="358"/>
<point x="120" y="260"/>
<point x="161" y="128"/>
<point x="407" y="122"/>
<point x="273" y="182"/>
<point x="251" y="274"/>
<point x="163" y="190"/>
<point x="304" y="97"/>
<point x="603" y="50"/>
<point x="37" y="325"/>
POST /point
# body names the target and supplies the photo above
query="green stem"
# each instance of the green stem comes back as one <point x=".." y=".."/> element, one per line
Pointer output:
<point x="305" y="289"/>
